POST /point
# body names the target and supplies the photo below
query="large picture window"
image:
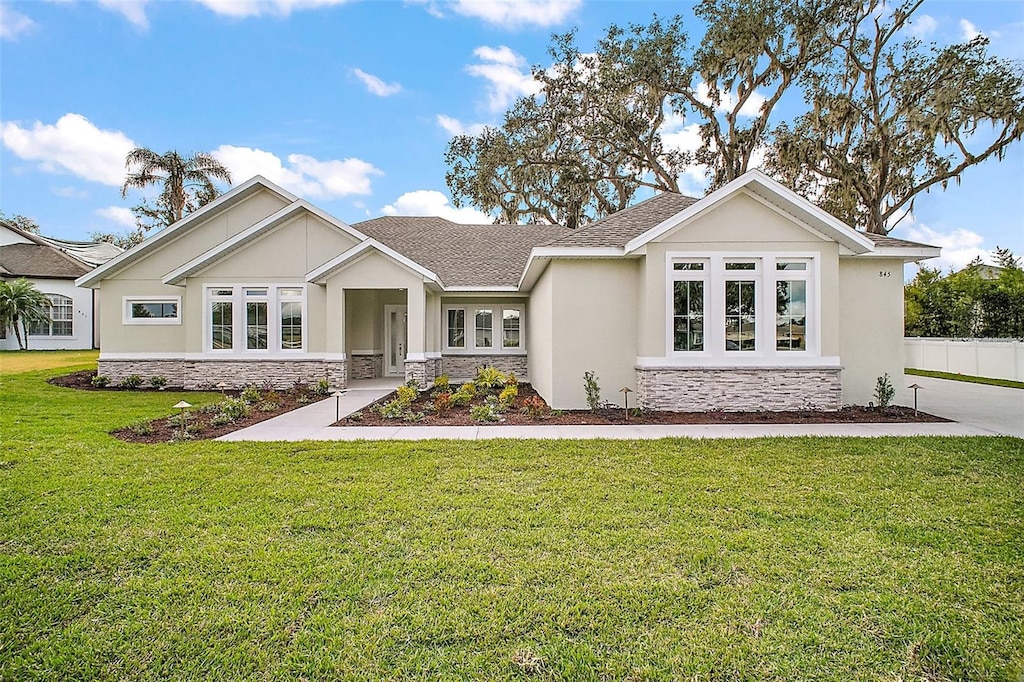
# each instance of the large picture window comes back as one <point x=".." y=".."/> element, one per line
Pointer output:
<point x="741" y="306"/>
<point x="61" y="312"/>
<point x="256" y="327"/>
<point x="491" y="328"/>
<point x="152" y="310"/>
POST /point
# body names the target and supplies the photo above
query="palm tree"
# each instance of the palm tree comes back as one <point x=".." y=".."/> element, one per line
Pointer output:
<point x="21" y="301"/>
<point x="187" y="180"/>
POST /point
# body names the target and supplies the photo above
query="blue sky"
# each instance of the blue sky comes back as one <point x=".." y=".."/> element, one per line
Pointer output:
<point x="349" y="104"/>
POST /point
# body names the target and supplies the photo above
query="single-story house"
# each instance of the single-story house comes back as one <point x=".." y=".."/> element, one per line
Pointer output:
<point x="748" y="298"/>
<point x="53" y="265"/>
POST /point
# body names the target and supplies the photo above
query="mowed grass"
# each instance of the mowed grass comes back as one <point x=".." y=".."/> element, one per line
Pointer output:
<point x="1006" y="383"/>
<point x="15" y="361"/>
<point x="831" y="559"/>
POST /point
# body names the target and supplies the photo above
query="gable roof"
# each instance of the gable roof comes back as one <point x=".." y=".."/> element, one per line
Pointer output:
<point x="320" y="274"/>
<point x="620" y="227"/>
<point x="39" y="260"/>
<point x="225" y="201"/>
<point x="463" y="256"/>
<point x="243" y="238"/>
<point x="772" y="194"/>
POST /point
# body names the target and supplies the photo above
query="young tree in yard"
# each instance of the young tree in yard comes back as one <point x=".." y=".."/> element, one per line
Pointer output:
<point x="596" y="133"/>
<point x="891" y="117"/>
<point x="21" y="303"/>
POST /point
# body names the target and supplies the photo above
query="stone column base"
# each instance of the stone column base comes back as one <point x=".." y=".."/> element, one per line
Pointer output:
<point x="366" y="367"/>
<point x="741" y="389"/>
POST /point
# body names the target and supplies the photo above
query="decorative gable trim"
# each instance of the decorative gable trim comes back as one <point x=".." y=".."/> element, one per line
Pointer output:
<point x="251" y="234"/>
<point x="320" y="274"/>
<point x="761" y="187"/>
<point x="225" y="201"/>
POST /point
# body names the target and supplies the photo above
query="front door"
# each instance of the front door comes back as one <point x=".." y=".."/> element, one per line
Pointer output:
<point x="396" y="339"/>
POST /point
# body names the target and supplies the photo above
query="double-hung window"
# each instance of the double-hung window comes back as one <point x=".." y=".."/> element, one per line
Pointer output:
<point x="255" y="319"/>
<point x="483" y="328"/>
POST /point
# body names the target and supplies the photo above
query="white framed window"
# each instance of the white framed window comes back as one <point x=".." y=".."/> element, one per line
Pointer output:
<point x="254" y="318"/>
<point x="484" y="328"/>
<point x="61" y="312"/>
<point x="151" y="310"/>
<point x="743" y="307"/>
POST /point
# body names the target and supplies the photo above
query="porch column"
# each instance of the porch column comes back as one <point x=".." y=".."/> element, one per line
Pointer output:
<point x="336" y="363"/>
<point x="416" y="354"/>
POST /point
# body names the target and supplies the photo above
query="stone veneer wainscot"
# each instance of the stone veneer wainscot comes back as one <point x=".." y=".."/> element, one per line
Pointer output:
<point x="199" y="374"/>
<point x="738" y="389"/>
<point x="465" y="366"/>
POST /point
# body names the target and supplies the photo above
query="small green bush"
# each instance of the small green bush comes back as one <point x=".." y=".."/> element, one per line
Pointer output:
<point x="250" y="395"/>
<point x="221" y="419"/>
<point x="141" y="428"/>
<point x="592" y="389"/>
<point x="442" y="383"/>
<point x="406" y="394"/>
<point x="411" y="416"/>
<point x="464" y="395"/>
<point x="508" y="396"/>
<point x="100" y="381"/>
<point x="884" y="391"/>
<point x="267" y="406"/>
<point x="393" y="409"/>
<point x="356" y="416"/>
<point x="158" y="382"/>
<point x="132" y="381"/>
<point x="233" y="408"/>
<point x="489" y="378"/>
<point x="484" y="412"/>
<point x="322" y="388"/>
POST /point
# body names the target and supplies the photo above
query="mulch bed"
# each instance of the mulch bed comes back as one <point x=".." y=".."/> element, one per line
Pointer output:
<point x="460" y="416"/>
<point x="199" y="421"/>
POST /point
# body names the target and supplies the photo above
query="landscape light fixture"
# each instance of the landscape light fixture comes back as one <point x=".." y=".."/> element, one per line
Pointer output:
<point x="337" y="406"/>
<point x="625" y="391"/>
<point x="915" y="387"/>
<point x="223" y="388"/>
<point x="183" y="406"/>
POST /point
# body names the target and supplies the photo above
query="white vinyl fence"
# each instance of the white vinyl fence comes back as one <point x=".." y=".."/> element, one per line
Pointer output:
<point x="995" y="358"/>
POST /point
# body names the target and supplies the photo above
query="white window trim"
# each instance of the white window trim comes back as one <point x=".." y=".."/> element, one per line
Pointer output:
<point x="126" y="307"/>
<point x="238" y="320"/>
<point x="714" y="277"/>
<point x="497" y="331"/>
<point x="48" y="294"/>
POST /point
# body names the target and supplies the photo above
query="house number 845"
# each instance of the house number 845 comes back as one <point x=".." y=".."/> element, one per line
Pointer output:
<point x="885" y="273"/>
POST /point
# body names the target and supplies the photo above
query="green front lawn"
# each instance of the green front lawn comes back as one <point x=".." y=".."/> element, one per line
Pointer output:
<point x="1006" y="383"/>
<point x="812" y="558"/>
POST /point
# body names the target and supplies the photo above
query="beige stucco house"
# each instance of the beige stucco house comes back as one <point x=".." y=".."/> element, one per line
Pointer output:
<point x="748" y="298"/>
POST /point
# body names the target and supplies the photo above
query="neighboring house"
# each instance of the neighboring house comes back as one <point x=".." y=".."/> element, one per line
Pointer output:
<point x="53" y="265"/>
<point x="749" y="298"/>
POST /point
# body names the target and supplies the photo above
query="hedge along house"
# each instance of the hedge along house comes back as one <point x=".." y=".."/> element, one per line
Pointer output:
<point x="749" y="298"/>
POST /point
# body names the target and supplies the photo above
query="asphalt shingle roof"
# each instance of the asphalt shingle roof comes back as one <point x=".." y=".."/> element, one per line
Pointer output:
<point x="35" y="260"/>
<point x="463" y="255"/>
<point x="886" y="241"/>
<point x="619" y="228"/>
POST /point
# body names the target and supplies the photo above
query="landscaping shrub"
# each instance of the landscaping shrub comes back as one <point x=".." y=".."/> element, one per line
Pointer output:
<point x="322" y="388"/>
<point x="100" y="381"/>
<point x="485" y="412"/>
<point x="884" y="391"/>
<point x="250" y="395"/>
<point x="488" y="378"/>
<point x="534" y="407"/>
<point x="511" y="380"/>
<point x="158" y="382"/>
<point x="464" y="395"/>
<point x="508" y="396"/>
<point x="233" y="408"/>
<point x="141" y="428"/>
<point x="132" y="381"/>
<point x="443" y="403"/>
<point x="442" y="383"/>
<point x="592" y="389"/>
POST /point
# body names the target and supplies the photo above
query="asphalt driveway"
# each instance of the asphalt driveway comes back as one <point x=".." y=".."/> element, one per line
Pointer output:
<point x="993" y="408"/>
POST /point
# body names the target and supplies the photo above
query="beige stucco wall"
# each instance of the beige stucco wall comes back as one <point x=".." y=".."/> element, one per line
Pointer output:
<point x="539" y="334"/>
<point x="593" y="328"/>
<point x="740" y="225"/>
<point x="870" y="326"/>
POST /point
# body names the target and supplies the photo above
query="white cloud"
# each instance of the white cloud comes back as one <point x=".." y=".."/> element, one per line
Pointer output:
<point x="752" y="107"/>
<point x="968" y="31"/>
<point x="13" y="24"/>
<point x="506" y="73"/>
<point x="73" y="144"/>
<point x="959" y="246"/>
<point x="117" y="214"/>
<point x="428" y="202"/>
<point x="132" y="10"/>
<point x="454" y="126"/>
<point x="923" y="26"/>
<point x="375" y="85"/>
<point x="256" y="8"/>
<point x="304" y="175"/>
<point x="515" y="13"/>
<point x="678" y="136"/>
<point x="70" y="192"/>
